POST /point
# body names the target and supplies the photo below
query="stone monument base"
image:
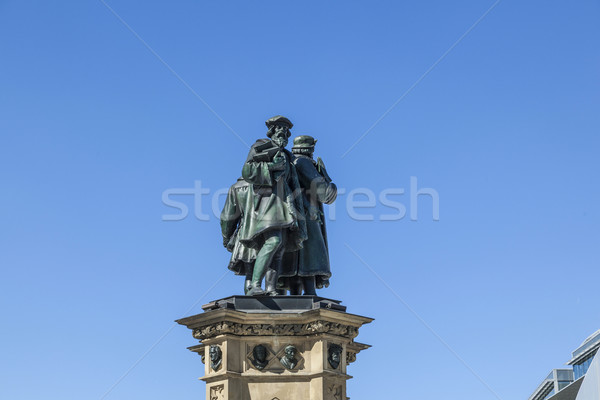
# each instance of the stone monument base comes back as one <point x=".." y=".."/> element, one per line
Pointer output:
<point x="276" y="348"/>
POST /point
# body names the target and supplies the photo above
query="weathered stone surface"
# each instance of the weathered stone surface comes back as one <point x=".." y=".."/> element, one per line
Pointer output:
<point x="311" y="332"/>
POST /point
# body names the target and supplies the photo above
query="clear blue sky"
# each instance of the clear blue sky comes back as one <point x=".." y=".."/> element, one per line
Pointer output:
<point x="95" y="128"/>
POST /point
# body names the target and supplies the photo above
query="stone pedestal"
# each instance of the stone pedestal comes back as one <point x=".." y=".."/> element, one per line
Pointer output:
<point x="319" y="330"/>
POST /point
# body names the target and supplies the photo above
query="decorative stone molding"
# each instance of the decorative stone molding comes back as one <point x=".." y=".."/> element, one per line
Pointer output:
<point x="352" y="349"/>
<point x="322" y="338"/>
<point x="350" y="357"/>
<point x="240" y="329"/>
<point x="199" y="349"/>
<point x="335" y="392"/>
<point x="216" y="392"/>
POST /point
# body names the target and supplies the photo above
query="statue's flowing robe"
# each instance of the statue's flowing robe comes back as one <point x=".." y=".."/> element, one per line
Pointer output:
<point x="313" y="258"/>
<point x="239" y="197"/>
<point x="276" y="203"/>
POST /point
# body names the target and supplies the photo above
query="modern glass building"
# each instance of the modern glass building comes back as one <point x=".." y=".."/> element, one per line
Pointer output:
<point x="583" y="355"/>
<point x="563" y="384"/>
<point x="557" y="380"/>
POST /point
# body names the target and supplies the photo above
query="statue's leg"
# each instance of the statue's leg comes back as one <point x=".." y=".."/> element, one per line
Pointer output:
<point x="295" y="286"/>
<point x="248" y="281"/>
<point x="309" y="286"/>
<point x="273" y="242"/>
<point x="273" y="269"/>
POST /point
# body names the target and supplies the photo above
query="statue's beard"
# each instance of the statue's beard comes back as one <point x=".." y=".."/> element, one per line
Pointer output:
<point x="280" y="142"/>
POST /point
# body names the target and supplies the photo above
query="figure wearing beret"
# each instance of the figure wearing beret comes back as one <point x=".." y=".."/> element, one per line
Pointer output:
<point x="308" y="268"/>
<point x="276" y="223"/>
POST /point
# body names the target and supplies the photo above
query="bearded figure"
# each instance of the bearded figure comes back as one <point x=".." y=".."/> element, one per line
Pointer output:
<point x="275" y="223"/>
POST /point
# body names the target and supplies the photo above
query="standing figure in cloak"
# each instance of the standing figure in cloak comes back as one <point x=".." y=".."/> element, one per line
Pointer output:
<point x="308" y="268"/>
<point x="240" y="199"/>
<point x="275" y="222"/>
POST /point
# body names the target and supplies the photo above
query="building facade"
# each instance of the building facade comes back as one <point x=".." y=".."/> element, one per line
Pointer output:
<point x="557" y="380"/>
<point x="564" y="383"/>
<point x="583" y="355"/>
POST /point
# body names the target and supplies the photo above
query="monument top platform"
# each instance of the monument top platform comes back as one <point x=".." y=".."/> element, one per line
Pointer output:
<point x="279" y="304"/>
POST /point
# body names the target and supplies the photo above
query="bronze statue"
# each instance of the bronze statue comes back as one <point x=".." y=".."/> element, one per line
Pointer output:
<point x="276" y="223"/>
<point x="260" y="357"/>
<point x="289" y="357"/>
<point x="334" y="355"/>
<point x="215" y="355"/>
<point x="308" y="268"/>
<point x="239" y="202"/>
<point x="273" y="221"/>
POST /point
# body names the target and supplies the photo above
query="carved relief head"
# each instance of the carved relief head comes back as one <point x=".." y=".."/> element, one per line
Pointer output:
<point x="215" y="355"/>
<point x="290" y="352"/>
<point x="334" y="355"/>
<point x="289" y="357"/>
<point x="260" y="357"/>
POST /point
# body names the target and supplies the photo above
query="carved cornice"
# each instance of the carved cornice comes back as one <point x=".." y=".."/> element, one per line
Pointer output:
<point x="241" y="329"/>
<point x="352" y="349"/>
<point x="350" y="357"/>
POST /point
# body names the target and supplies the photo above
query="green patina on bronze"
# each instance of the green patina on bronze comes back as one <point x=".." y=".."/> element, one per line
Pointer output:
<point x="273" y="221"/>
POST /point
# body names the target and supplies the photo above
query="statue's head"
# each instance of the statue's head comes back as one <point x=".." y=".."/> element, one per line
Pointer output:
<point x="260" y="353"/>
<point x="279" y="130"/>
<point x="214" y="353"/>
<point x="304" y="145"/>
<point x="335" y="355"/>
<point x="290" y="352"/>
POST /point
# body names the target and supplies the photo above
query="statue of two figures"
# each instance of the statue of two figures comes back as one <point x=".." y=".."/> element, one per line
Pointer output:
<point x="273" y="221"/>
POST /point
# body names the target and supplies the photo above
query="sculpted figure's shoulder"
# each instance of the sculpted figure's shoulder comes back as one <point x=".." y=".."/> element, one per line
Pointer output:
<point x="256" y="170"/>
<point x="240" y="184"/>
<point x="259" y="142"/>
<point x="306" y="167"/>
<point x="304" y="161"/>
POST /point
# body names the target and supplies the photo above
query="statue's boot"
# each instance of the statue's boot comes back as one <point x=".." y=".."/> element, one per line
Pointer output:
<point x="271" y="282"/>
<point x="271" y="250"/>
<point x="248" y="281"/>
<point x="256" y="291"/>
<point x="254" y="288"/>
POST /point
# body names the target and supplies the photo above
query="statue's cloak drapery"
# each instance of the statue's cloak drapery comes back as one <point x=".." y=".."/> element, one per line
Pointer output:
<point x="276" y="203"/>
<point x="240" y="195"/>
<point x="313" y="258"/>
